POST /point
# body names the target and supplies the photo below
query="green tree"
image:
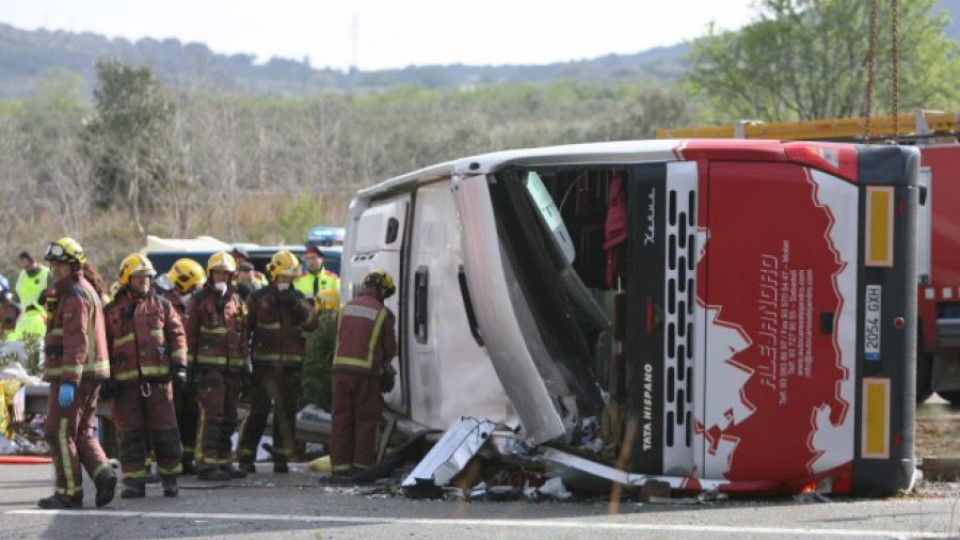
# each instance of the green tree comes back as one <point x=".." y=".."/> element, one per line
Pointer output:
<point x="807" y="59"/>
<point x="132" y="137"/>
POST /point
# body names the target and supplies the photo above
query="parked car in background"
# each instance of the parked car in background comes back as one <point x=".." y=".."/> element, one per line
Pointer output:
<point x="326" y="236"/>
<point x="163" y="252"/>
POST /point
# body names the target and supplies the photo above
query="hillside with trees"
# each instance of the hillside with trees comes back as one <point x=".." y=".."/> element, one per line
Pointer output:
<point x="27" y="55"/>
<point x="141" y="153"/>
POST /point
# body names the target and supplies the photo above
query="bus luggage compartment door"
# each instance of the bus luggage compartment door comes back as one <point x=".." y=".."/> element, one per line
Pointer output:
<point x="779" y="305"/>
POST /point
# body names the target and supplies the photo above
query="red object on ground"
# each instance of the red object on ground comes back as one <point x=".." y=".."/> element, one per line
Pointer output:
<point x="24" y="460"/>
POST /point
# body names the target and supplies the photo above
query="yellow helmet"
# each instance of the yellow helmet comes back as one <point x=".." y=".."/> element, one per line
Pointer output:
<point x="66" y="250"/>
<point x="135" y="264"/>
<point x="186" y="275"/>
<point x="283" y="263"/>
<point x="327" y="300"/>
<point x="221" y="260"/>
<point x="380" y="278"/>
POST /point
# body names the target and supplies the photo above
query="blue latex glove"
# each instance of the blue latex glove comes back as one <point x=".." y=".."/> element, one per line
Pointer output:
<point x="66" y="394"/>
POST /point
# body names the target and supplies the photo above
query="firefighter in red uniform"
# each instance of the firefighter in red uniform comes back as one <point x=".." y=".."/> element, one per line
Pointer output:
<point x="217" y="341"/>
<point x="75" y="350"/>
<point x="278" y="316"/>
<point x="184" y="279"/>
<point x="148" y="350"/>
<point x="366" y="340"/>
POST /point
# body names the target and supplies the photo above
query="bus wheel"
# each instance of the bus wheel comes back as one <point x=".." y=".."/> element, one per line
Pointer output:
<point x="925" y="376"/>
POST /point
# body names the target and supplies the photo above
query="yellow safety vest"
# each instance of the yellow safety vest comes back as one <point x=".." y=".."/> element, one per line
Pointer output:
<point x="29" y="288"/>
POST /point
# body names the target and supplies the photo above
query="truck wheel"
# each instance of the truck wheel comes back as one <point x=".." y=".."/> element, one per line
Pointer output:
<point x="925" y="376"/>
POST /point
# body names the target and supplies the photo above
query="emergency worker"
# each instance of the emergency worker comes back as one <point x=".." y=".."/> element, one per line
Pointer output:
<point x="366" y="341"/>
<point x="185" y="278"/>
<point x="32" y="323"/>
<point x="75" y="350"/>
<point x="217" y="341"/>
<point x="278" y="316"/>
<point x="244" y="266"/>
<point x="247" y="281"/>
<point x="148" y="352"/>
<point x="33" y="279"/>
<point x="316" y="278"/>
<point x="9" y="314"/>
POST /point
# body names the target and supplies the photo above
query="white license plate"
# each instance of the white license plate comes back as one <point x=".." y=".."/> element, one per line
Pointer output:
<point x="871" y="319"/>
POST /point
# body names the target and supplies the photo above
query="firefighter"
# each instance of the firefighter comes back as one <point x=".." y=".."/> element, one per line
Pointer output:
<point x="147" y="352"/>
<point x="366" y="341"/>
<point x="278" y="318"/>
<point x="185" y="278"/>
<point x="246" y="270"/>
<point x="76" y="360"/>
<point x="247" y="281"/>
<point x="217" y="341"/>
<point x="316" y="278"/>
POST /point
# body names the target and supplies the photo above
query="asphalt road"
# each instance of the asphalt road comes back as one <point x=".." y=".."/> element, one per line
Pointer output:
<point x="297" y="506"/>
<point x="266" y="505"/>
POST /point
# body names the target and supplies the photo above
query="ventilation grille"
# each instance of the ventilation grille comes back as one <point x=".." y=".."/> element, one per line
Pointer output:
<point x="681" y="261"/>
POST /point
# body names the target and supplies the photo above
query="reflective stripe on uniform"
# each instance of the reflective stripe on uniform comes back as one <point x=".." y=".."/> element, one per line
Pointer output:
<point x="179" y="354"/>
<point x="213" y="330"/>
<point x="353" y="310"/>
<point x="212" y="360"/>
<point x="65" y="460"/>
<point x="365" y="363"/>
<point x="268" y="326"/>
<point x="60" y="370"/>
<point x="133" y="475"/>
<point x="99" y="366"/>
<point x="168" y="471"/>
<point x="147" y="371"/>
<point x="100" y="469"/>
<point x="123" y="340"/>
<point x="58" y="331"/>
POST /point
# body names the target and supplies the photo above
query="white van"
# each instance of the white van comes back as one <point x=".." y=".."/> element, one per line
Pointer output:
<point x="748" y="305"/>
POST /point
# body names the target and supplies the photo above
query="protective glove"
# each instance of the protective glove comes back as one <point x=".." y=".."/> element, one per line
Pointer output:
<point x="65" y="397"/>
<point x="178" y="374"/>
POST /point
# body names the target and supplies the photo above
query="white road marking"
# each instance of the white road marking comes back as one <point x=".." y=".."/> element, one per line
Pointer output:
<point x="526" y="523"/>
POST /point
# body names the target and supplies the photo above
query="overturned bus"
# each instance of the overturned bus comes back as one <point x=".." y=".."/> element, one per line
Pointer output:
<point x="735" y="315"/>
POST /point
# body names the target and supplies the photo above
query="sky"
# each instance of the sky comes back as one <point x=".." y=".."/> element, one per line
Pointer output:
<point x="383" y="34"/>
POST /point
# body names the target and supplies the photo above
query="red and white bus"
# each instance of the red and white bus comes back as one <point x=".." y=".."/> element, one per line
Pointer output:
<point x="743" y="311"/>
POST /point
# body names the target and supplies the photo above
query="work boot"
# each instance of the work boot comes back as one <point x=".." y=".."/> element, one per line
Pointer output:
<point x="232" y="471"/>
<point x="106" y="482"/>
<point x="169" y="484"/>
<point x="248" y="467"/>
<point x="212" y="474"/>
<point x="280" y="465"/>
<point x="58" y="501"/>
<point x="188" y="466"/>
<point x="337" y="479"/>
<point x="134" y="490"/>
